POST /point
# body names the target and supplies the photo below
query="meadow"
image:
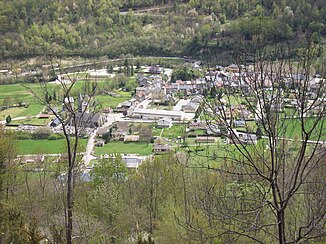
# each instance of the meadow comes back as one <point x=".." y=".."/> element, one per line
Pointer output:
<point x="25" y="147"/>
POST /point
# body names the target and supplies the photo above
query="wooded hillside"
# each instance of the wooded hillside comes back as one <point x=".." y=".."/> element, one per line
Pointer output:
<point x="30" y="28"/>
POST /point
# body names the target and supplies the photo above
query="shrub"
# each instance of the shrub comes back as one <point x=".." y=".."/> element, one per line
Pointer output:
<point x="42" y="133"/>
<point x="55" y="136"/>
<point x="23" y="135"/>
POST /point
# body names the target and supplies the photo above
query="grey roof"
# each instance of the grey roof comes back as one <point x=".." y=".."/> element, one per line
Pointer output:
<point x="162" y="147"/>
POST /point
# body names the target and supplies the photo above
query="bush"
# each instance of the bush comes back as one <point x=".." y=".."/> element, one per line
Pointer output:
<point x="55" y="136"/>
<point x="42" y="133"/>
<point x="23" y="135"/>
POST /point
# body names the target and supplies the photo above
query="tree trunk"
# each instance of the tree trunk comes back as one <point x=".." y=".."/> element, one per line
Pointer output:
<point x="69" y="206"/>
<point x="281" y="226"/>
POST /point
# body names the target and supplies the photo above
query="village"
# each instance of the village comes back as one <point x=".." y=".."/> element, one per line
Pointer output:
<point x="164" y="117"/>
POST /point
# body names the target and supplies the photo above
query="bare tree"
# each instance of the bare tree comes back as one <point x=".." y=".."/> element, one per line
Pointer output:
<point x="73" y="120"/>
<point x="272" y="187"/>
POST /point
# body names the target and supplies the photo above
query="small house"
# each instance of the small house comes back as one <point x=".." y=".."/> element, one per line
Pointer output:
<point x="212" y="129"/>
<point x="164" y="123"/>
<point x="242" y="137"/>
<point x="158" y="148"/>
<point x="131" y="138"/>
<point x="99" y="143"/>
<point x="102" y="131"/>
<point x="190" y="107"/>
<point x="43" y="116"/>
<point x="154" y="70"/>
<point x="205" y="139"/>
<point x="107" y="110"/>
<point x="239" y="123"/>
<point x="118" y="135"/>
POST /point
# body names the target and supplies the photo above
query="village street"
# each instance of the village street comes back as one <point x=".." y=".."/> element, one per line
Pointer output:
<point x="111" y="118"/>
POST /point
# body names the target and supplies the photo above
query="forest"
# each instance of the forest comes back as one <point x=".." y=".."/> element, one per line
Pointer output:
<point x="196" y="28"/>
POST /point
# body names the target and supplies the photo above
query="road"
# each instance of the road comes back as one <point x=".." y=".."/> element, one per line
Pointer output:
<point x="88" y="156"/>
<point x="13" y="119"/>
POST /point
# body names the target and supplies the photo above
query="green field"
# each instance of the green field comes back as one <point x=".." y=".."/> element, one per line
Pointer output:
<point x="293" y="129"/>
<point x="140" y="148"/>
<point x="32" y="121"/>
<point x="44" y="146"/>
<point x="175" y="131"/>
<point x="17" y="92"/>
<point x="109" y="101"/>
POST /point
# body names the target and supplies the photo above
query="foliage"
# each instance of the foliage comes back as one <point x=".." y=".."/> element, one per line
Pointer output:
<point x="109" y="170"/>
<point x="183" y="73"/>
<point x="56" y="136"/>
<point x="8" y="119"/>
<point x="31" y="28"/>
<point x="42" y="133"/>
<point x="12" y="222"/>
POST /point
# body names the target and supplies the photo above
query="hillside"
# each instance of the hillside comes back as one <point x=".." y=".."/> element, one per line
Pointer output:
<point x="91" y="28"/>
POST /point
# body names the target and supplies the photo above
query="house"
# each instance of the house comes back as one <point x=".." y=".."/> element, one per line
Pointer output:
<point x="131" y="138"/>
<point x="205" y="139"/>
<point x="102" y="131"/>
<point x="153" y="114"/>
<point x="191" y="107"/>
<point x="83" y="103"/>
<point x="159" y="149"/>
<point x="242" y="137"/>
<point x="233" y="68"/>
<point x="90" y="120"/>
<point x="43" y="116"/>
<point x="107" y="110"/>
<point x="212" y="129"/>
<point x="164" y="123"/>
<point x="143" y="81"/>
<point x="124" y="106"/>
<point x="132" y="160"/>
<point x="55" y="122"/>
<point x="154" y="70"/>
<point x="4" y="72"/>
<point x="239" y="123"/>
<point x="118" y="135"/>
<point x="141" y="93"/>
<point x="157" y="93"/>
<point x="68" y="103"/>
<point x="197" y="99"/>
<point x="196" y="125"/>
<point x="99" y="143"/>
<point x="168" y="99"/>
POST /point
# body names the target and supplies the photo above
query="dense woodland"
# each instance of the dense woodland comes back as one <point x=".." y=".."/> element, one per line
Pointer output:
<point x="195" y="28"/>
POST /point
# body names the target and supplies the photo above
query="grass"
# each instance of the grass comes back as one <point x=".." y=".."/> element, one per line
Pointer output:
<point x="293" y="129"/>
<point x="174" y="131"/>
<point x="109" y="101"/>
<point x="32" y="110"/>
<point x="44" y="146"/>
<point x="140" y="148"/>
<point x="17" y="92"/>
<point x="32" y="121"/>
